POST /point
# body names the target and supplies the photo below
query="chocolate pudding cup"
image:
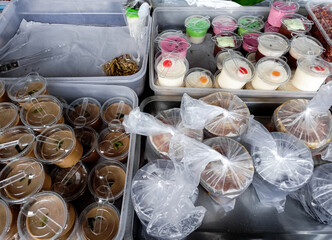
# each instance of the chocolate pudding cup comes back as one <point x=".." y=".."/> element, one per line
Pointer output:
<point x="99" y="222"/>
<point x="9" y="115"/>
<point x="113" y="145"/>
<point x="31" y="86"/>
<point x="42" y="112"/>
<point x="3" y="94"/>
<point x="58" y="145"/>
<point x="16" y="142"/>
<point x="115" y="109"/>
<point x="25" y="178"/>
<point x="84" y="112"/>
<point x="43" y="216"/>
<point x="88" y="137"/>
<point x="8" y="218"/>
<point x="107" y="180"/>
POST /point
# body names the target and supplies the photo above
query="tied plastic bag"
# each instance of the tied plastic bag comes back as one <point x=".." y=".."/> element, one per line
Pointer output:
<point x="327" y="153"/>
<point x="282" y="162"/>
<point x="221" y="114"/>
<point x="310" y="121"/>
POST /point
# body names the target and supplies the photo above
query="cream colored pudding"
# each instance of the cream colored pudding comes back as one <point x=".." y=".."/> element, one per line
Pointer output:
<point x="271" y="45"/>
<point x="171" y="71"/>
<point x="223" y="55"/>
<point x="270" y="74"/>
<point x="88" y="137"/>
<point x="199" y="78"/>
<point x="116" y="111"/>
<point x="99" y="222"/>
<point x="113" y="145"/>
<point x="303" y="46"/>
<point x="9" y="116"/>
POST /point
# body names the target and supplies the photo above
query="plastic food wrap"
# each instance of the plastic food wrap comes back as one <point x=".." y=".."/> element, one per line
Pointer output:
<point x="327" y="153"/>
<point x="283" y="164"/>
<point x="310" y="121"/>
<point x="221" y="114"/>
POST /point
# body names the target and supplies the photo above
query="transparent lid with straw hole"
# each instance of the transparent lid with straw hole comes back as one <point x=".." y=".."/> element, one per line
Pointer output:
<point x="9" y="115"/>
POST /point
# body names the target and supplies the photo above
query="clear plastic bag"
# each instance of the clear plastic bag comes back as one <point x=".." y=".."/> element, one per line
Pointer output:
<point x="326" y="154"/>
<point x="282" y="162"/>
<point x="310" y="121"/>
<point x="221" y="114"/>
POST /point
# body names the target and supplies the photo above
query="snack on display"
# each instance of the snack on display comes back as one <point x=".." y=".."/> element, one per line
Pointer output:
<point x="8" y="217"/>
<point x="269" y="28"/>
<point x="271" y="45"/>
<point x="224" y="54"/>
<point x="280" y="8"/>
<point x="250" y="41"/>
<point x="294" y="23"/>
<point x="173" y="43"/>
<point x="196" y="28"/>
<point x="114" y="110"/>
<point x="226" y="41"/>
<point x="248" y="24"/>
<point x="58" y="145"/>
<point x="9" y="115"/>
<point x="199" y="78"/>
<point x="224" y="23"/>
<point x="88" y="137"/>
<point x="123" y="65"/>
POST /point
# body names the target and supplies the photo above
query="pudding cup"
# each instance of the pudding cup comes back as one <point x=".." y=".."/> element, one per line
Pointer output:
<point x="294" y="23"/>
<point x="114" y="109"/>
<point x="9" y="116"/>
<point x="280" y="8"/>
<point x="248" y="24"/>
<point x="196" y="28"/>
<point x="226" y="41"/>
<point x="173" y="43"/>
<point x="3" y="95"/>
<point x="88" y="137"/>
<point x="222" y="55"/>
<point x="199" y="78"/>
<point x="224" y="23"/>
<point x="271" y="45"/>
<point x="8" y="218"/>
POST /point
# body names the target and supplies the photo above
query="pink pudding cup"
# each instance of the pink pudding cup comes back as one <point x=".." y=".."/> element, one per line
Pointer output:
<point x="278" y="9"/>
<point x="173" y="44"/>
<point x="224" y="23"/>
<point x="250" y="42"/>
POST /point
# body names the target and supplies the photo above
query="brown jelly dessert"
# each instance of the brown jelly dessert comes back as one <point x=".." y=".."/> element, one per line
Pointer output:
<point x="88" y="137"/>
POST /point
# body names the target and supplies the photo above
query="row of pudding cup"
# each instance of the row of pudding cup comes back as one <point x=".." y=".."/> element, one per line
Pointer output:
<point x="64" y="149"/>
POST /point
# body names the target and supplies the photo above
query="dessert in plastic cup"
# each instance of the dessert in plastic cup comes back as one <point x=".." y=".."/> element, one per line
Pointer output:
<point x="172" y="117"/>
<point x="310" y="74"/>
<point x="84" y="112"/>
<point x="314" y="130"/>
<point x="271" y="45"/>
<point x="31" y="86"/>
<point x="278" y="9"/>
<point x="199" y="78"/>
<point x="303" y="46"/>
<point x="42" y="112"/>
<point x="71" y="225"/>
<point x="171" y="71"/>
<point x="229" y="180"/>
<point x="250" y="42"/>
<point x="235" y="73"/>
<point x="251" y="56"/>
<point x="222" y="55"/>
<point x="107" y="180"/>
<point x="270" y="74"/>
<point x="224" y="23"/>
<point x="9" y="115"/>
<point x="21" y="179"/>
<point x="269" y="28"/>
<point x="43" y="216"/>
<point x="70" y="183"/>
<point x="99" y="221"/>
<point x="248" y="24"/>
<point x="294" y="23"/>
<point x="3" y="94"/>
<point x="113" y="144"/>
<point x="114" y="109"/>
<point x="8" y="228"/>
<point x="229" y="124"/>
<point x="196" y="28"/>
<point x="226" y="41"/>
<point x="16" y="142"/>
<point x="173" y="43"/>
<point x="88" y="137"/>
<point x="58" y="145"/>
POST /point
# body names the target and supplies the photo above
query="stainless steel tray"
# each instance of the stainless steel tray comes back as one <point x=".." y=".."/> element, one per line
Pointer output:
<point x="249" y="219"/>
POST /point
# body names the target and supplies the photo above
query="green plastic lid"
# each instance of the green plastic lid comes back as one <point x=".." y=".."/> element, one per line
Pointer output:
<point x="197" y="26"/>
<point x="131" y="12"/>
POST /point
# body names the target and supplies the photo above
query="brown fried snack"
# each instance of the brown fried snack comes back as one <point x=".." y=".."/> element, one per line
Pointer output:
<point x="123" y="65"/>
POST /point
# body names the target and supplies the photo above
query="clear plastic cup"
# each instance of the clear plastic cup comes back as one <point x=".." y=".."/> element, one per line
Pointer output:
<point x="222" y="55"/>
<point x="16" y="142"/>
<point x="196" y="28"/>
<point x="3" y="94"/>
<point x="42" y="112"/>
<point x="226" y="41"/>
<point x="113" y="144"/>
<point x="270" y="74"/>
<point x="250" y="42"/>
<point x="84" y="112"/>
<point x="9" y="115"/>
<point x="171" y="71"/>
<point x="251" y="56"/>
<point x="70" y="229"/>
<point x="8" y="227"/>
<point x="235" y="73"/>
<point x="269" y="28"/>
<point x="31" y="86"/>
<point x="303" y="46"/>
<point x="21" y="179"/>
<point x="294" y="23"/>
<point x="248" y="24"/>
<point x="58" y="145"/>
<point x="99" y="222"/>
<point x="107" y="180"/>
<point x="271" y="45"/>
<point x="43" y="216"/>
<point x="70" y="183"/>
<point x="224" y="23"/>
<point x="114" y="110"/>
<point x="88" y="137"/>
<point x="173" y="43"/>
<point x="199" y="78"/>
<point x="278" y="9"/>
<point x="311" y="73"/>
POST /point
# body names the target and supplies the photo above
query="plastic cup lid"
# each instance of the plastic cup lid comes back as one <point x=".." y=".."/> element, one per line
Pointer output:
<point x="30" y="86"/>
<point x="296" y="22"/>
<point x="115" y="109"/>
<point x="5" y="219"/>
<point x="174" y="38"/>
<point x="43" y="216"/>
<point x="70" y="183"/>
<point x="285" y="6"/>
<point x="204" y="76"/>
<point x="83" y="111"/>
<point x="15" y="142"/>
<point x="307" y="45"/>
<point x="314" y="66"/>
<point x="224" y="21"/>
<point x="88" y="137"/>
<point x="55" y="143"/>
<point x="8" y="115"/>
<point x="272" y="72"/>
<point x="251" y="22"/>
<point x="227" y="40"/>
<point x="239" y="67"/>
<point x="224" y="54"/>
<point x="171" y="66"/>
<point x="274" y="41"/>
<point x="197" y="22"/>
<point x="20" y="179"/>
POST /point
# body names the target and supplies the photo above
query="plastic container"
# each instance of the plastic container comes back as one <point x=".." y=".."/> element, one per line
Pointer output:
<point x="173" y="43"/>
<point x="320" y="13"/>
<point x="249" y="24"/>
<point x="8" y="227"/>
<point x="64" y="12"/>
<point x="196" y="28"/>
<point x="294" y="23"/>
<point x="250" y="42"/>
<point x="88" y="137"/>
<point x="224" y="23"/>
<point x="222" y="55"/>
<point x="269" y="28"/>
<point x="272" y="45"/>
<point x="199" y="78"/>
<point x="9" y="115"/>
<point x="114" y="110"/>
<point x="278" y="9"/>
<point x="226" y="41"/>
